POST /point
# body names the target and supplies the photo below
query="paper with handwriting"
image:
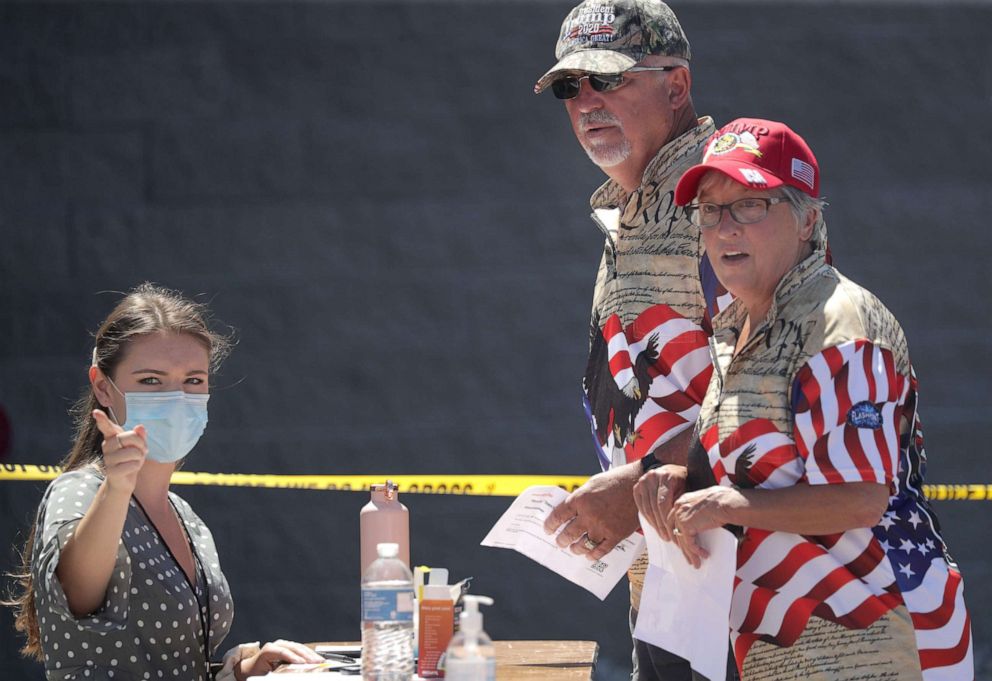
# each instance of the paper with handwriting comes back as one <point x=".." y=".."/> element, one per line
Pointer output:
<point x="521" y="528"/>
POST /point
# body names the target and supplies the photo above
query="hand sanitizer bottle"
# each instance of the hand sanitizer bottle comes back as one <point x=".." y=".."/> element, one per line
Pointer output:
<point x="470" y="655"/>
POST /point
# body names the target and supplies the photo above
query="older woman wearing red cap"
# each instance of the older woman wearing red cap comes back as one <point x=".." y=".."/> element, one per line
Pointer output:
<point x="809" y="440"/>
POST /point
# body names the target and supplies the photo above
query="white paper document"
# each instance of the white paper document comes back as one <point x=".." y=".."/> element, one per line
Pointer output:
<point x="687" y="611"/>
<point x="521" y="528"/>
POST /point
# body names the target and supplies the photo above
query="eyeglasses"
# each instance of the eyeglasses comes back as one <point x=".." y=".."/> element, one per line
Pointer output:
<point x="743" y="211"/>
<point x="567" y="87"/>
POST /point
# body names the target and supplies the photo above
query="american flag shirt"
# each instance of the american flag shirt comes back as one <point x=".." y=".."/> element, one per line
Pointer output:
<point x="649" y="361"/>
<point x="823" y="393"/>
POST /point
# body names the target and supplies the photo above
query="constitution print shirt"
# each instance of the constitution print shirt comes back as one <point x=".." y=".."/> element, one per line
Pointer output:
<point x="823" y="393"/>
<point x="649" y="362"/>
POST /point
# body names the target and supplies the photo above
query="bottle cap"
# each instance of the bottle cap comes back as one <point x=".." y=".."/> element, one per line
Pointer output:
<point x="387" y="550"/>
<point x="390" y="490"/>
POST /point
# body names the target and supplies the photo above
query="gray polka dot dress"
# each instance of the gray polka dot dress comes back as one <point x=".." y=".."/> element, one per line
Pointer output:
<point x="152" y="624"/>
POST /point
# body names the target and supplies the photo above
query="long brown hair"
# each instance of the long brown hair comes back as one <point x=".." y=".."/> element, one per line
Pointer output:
<point x="146" y="309"/>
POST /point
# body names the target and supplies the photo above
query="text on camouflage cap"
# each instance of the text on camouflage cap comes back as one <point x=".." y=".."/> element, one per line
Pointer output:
<point x="611" y="37"/>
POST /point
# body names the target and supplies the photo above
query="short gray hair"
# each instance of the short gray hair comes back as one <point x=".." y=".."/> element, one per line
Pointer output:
<point x="801" y="203"/>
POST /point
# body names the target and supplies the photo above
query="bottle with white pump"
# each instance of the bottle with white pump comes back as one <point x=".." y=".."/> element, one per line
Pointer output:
<point x="470" y="655"/>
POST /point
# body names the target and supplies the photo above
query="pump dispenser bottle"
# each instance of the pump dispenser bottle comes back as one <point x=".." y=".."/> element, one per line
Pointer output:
<point x="470" y="655"/>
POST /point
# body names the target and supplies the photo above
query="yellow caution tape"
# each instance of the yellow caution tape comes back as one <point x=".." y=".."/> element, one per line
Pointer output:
<point x="484" y="485"/>
<point x="487" y="485"/>
<point x="958" y="492"/>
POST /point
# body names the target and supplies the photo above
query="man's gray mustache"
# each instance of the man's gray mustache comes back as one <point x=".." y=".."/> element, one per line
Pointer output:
<point x="597" y="117"/>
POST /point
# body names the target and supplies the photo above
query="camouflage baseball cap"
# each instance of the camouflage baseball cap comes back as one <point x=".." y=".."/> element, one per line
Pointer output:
<point x="610" y="36"/>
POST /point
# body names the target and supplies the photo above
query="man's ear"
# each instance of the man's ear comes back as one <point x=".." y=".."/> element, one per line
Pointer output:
<point x="101" y="387"/>
<point x="679" y="87"/>
<point x="806" y="229"/>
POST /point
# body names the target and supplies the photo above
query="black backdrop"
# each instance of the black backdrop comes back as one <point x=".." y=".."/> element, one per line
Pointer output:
<point x="371" y="194"/>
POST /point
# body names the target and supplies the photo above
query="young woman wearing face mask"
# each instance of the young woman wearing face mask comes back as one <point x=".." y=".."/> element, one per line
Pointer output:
<point x="121" y="577"/>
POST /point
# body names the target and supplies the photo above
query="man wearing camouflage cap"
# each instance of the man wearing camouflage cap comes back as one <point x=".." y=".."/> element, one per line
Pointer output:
<point x="623" y="72"/>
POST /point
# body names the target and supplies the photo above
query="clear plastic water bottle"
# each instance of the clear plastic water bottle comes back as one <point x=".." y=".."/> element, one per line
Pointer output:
<point x="387" y="618"/>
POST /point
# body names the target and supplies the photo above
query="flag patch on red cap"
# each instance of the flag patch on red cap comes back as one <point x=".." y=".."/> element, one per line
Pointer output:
<point x="803" y="172"/>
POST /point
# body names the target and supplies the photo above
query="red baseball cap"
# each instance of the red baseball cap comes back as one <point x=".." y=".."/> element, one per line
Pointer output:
<point x="758" y="154"/>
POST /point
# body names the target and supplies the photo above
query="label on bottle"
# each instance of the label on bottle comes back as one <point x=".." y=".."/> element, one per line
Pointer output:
<point x="387" y="604"/>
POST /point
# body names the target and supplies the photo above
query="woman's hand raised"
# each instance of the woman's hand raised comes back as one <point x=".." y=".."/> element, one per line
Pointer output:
<point x="124" y="453"/>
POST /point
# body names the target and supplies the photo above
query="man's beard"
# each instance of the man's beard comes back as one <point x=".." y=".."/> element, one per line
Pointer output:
<point x="604" y="154"/>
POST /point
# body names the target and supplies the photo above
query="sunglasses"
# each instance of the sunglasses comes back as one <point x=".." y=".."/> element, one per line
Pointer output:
<point x="567" y="87"/>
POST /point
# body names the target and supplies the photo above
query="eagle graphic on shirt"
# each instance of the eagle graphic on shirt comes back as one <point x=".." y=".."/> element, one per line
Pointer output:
<point x="643" y="383"/>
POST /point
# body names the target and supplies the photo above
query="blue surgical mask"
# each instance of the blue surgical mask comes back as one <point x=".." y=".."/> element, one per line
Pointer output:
<point x="174" y="421"/>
